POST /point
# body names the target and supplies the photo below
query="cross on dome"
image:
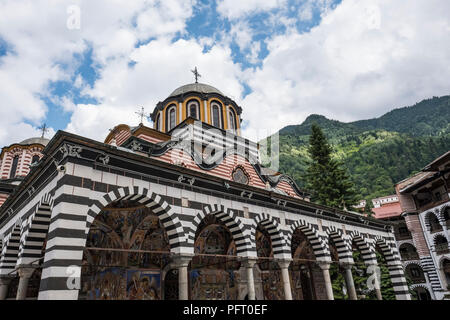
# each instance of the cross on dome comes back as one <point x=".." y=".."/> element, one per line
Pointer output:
<point x="196" y="74"/>
<point x="44" y="130"/>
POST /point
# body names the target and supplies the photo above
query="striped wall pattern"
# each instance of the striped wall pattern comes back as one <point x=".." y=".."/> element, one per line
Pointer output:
<point x="233" y="223"/>
<point x="279" y="241"/>
<point x="25" y="155"/>
<point x="10" y="250"/>
<point x="343" y="247"/>
<point x="428" y="267"/>
<point x="74" y="208"/>
<point x="395" y="268"/>
<point x="154" y="202"/>
<point x="367" y="254"/>
<point x="35" y="232"/>
<point x="427" y="219"/>
<point x="318" y="243"/>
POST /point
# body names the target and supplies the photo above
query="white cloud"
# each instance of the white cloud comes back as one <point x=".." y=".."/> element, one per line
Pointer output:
<point x="234" y="9"/>
<point x="40" y="43"/>
<point x="161" y="66"/>
<point x="360" y="62"/>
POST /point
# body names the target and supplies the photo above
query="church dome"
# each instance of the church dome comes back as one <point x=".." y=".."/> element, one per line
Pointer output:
<point x="195" y="87"/>
<point x="34" y="140"/>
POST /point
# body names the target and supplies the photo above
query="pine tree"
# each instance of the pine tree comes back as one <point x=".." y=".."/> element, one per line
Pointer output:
<point x="326" y="177"/>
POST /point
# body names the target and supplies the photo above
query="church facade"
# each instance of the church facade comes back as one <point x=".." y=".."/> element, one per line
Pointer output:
<point x="183" y="210"/>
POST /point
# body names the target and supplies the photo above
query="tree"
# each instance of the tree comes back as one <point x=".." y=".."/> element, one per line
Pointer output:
<point x="326" y="177"/>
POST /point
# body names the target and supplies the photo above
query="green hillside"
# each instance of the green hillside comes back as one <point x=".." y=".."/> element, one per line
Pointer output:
<point x="377" y="152"/>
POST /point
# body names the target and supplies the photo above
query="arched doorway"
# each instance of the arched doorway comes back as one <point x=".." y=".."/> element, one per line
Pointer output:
<point x="408" y="252"/>
<point x="126" y="252"/>
<point x="306" y="276"/>
<point x="171" y="285"/>
<point x="420" y="293"/>
<point x="270" y="273"/>
<point x="415" y="273"/>
<point x="433" y="221"/>
<point x="214" y="270"/>
<point x="446" y="271"/>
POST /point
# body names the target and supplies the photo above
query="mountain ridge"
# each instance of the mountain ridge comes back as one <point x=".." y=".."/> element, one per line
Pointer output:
<point x="377" y="152"/>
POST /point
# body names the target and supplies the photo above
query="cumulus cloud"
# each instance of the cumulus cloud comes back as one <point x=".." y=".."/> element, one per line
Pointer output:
<point x="234" y="9"/>
<point x="160" y="67"/>
<point x="42" y="48"/>
<point x="361" y="61"/>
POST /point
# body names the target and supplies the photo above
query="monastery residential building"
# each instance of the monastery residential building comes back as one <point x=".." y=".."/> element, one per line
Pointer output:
<point x="183" y="210"/>
<point x="420" y="211"/>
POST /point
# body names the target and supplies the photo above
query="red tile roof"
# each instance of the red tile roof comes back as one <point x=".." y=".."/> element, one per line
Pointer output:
<point x="387" y="210"/>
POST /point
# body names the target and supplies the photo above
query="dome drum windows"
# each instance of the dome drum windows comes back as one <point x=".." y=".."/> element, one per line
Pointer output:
<point x="157" y="120"/>
<point x="216" y="115"/>
<point x="14" y="164"/>
<point x="171" y="117"/>
<point x="193" y="109"/>
<point x="232" y="120"/>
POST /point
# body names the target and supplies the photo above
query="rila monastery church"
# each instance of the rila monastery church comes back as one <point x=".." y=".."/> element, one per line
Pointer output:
<point x="185" y="210"/>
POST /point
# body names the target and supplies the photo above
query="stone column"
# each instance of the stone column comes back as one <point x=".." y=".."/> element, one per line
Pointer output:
<point x="325" y="266"/>
<point x="248" y="264"/>
<point x="284" y="266"/>
<point x="349" y="281"/>
<point x="4" y="285"/>
<point x="182" y="263"/>
<point x="25" y="275"/>
<point x="376" y="280"/>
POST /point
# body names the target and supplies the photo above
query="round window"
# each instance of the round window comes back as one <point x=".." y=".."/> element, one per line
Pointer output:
<point x="240" y="176"/>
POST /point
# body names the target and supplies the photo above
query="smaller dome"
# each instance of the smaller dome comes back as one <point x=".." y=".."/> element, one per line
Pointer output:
<point x="195" y="87"/>
<point x="39" y="140"/>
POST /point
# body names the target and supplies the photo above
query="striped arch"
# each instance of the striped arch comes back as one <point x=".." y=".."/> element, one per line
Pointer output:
<point x="368" y="255"/>
<point x="233" y="223"/>
<point x="161" y="208"/>
<point x="442" y="211"/>
<point x="395" y="267"/>
<point x="344" y="249"/>
<point x="279" y="243"/>
<point x="427" y="219"/>
<point x="34" y="232"/>
<point x="318" y="244"/>
<point x="10" y="250"/>
<point x="417" y="262"/>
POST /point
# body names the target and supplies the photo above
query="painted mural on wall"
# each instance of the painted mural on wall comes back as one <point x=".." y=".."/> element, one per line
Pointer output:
<point x="214" y="276"/>
<point x="306" y="278"/>
<point x="270" y="272"/>
<point x="122" y="273"/>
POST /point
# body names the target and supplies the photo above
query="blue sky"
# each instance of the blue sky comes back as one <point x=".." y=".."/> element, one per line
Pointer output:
<point x="281" y="60"/>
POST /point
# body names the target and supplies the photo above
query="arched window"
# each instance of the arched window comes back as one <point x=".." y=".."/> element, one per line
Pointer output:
<point x="441" y="244"/>
<point x="35" y="158"/>
<point x="193" y="110"/>
<point x="15" y="161"/>
<point x="171" y="117"/>
<point x="157" y="121"/>
<point x="215" y="111"/>
<point x="232" y="121"/>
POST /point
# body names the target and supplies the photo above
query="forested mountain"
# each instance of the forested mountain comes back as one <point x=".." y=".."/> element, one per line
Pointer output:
<point x="377" y="152"/>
